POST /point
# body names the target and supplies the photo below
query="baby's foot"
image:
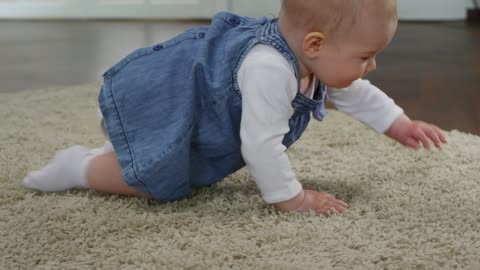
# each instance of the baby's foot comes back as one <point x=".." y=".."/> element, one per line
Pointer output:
<point x="65" y="171"/>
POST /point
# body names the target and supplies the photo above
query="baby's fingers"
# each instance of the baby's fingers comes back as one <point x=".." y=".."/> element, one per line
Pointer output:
<point x="343" y="204"/>
<point x="411" y="142"/>
<point x="422" y="137"/>
<point x="341" y="207"/>
<point x="336" y="209"/>
<point x="333" y="207"/>
<point x="439" y="133"/>
<point x="433" y="136"/>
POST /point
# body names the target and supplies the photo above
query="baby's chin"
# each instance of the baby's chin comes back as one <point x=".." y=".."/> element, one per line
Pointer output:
<point x="339" y="85"/>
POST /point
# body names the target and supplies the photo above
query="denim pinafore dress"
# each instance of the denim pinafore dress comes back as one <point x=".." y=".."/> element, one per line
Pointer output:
<point x="172" y="111"/>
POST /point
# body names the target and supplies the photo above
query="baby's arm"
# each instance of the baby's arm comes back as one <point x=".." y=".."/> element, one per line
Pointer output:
<point x="268" y="86"/>
<point x="365" y="102"/>
<point x="265" y="112"/>
<point x="410" y="133"/>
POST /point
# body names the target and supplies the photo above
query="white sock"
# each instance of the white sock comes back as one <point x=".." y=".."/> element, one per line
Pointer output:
<point x="65" y="171"/>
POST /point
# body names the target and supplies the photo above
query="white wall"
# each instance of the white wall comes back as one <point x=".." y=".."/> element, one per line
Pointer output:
<point x="83" y="9"/>
<point x="469" y="3"/>
<point x="407" y="9"/>
<point x="255" y="8"/>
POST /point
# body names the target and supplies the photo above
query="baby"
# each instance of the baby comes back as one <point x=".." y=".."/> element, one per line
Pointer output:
<point x="189" y="111"/>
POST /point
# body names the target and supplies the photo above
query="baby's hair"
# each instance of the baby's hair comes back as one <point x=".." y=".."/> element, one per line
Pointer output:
<point x="329" y="15"/>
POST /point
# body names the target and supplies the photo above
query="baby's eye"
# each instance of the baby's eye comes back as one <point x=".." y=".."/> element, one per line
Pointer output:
<point x="365" y="58"/>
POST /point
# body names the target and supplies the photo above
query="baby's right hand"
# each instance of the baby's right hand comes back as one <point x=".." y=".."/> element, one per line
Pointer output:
<point x="320" y="202"/>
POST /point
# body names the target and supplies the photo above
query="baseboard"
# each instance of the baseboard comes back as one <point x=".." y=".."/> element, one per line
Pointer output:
<point x="473" y="16"/>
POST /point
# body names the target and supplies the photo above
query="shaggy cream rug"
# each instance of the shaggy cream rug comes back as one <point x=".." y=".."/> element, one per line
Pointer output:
<point x="410" y="209"/>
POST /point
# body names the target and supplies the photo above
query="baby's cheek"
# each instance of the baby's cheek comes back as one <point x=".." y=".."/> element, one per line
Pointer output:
<point x="361" y="72"/>
<point x="339" y="84"/>
<point x="352" y="72"/>
<point x="350" y="78"/>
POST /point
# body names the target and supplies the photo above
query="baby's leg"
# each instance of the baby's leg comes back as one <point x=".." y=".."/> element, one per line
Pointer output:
<point x="104" y="175"/>
<point x="78" y="167"/>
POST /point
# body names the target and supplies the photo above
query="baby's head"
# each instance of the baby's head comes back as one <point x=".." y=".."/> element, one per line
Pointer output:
<point x="337" y="40"/>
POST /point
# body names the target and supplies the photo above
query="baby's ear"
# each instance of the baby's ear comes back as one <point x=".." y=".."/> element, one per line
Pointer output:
<point x="313" y="43"/>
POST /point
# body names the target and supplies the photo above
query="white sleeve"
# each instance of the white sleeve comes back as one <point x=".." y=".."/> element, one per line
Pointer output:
<point x="366" y="103"/>
<point x="268" y="87"/>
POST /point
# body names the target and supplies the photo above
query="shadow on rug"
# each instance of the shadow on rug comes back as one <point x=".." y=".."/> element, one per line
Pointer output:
<point x="410" y="209"/>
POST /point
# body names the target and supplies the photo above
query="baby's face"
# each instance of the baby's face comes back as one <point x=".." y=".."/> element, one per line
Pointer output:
<point x="350" y="55"/>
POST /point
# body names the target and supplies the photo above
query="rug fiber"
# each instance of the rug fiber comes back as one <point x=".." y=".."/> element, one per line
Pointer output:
<point x="410" y="209"/>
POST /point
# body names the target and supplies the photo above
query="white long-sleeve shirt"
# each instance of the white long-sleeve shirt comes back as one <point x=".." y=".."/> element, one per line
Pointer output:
<point x="268" y="85"/>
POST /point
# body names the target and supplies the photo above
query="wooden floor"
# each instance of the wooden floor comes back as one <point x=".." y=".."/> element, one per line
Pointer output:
<point x="432" y="70"/>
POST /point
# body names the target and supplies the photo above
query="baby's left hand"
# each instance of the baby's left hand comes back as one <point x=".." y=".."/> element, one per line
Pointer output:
<point x="411" y="133"/>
